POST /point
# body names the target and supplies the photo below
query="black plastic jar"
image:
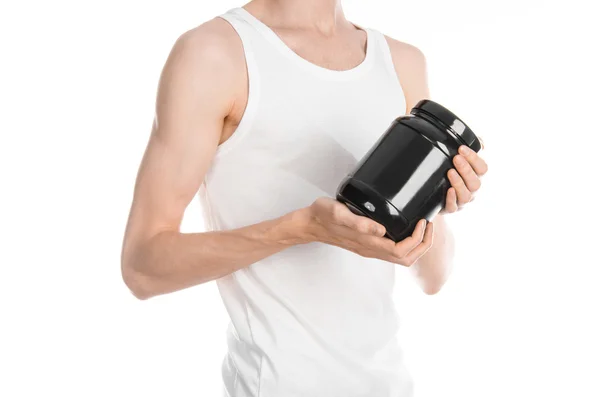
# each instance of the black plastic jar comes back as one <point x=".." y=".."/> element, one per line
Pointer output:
<point x="403" y="177"/>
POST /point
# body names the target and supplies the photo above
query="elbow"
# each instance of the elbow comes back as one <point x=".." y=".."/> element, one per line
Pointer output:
<point x="136" y="282"/>
<point x="433" y="285"/>
<point x="433" y="279"/>
<point x="432" y="289"/>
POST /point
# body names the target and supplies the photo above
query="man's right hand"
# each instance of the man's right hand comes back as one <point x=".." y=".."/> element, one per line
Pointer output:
<point x="331" y="222"/>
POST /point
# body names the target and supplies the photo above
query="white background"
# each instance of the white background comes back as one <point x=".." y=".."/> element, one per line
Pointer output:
<point x="520" y="315"/>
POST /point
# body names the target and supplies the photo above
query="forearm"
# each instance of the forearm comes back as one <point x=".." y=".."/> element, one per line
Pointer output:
<point x="434" y="267"/>
<point x="170" y="261"/>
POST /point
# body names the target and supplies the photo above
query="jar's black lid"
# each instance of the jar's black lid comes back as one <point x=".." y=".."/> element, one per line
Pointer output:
<point x="450" y="120"/>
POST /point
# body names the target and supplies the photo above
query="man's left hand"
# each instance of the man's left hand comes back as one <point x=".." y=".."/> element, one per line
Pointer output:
<point x="465" y="179"/>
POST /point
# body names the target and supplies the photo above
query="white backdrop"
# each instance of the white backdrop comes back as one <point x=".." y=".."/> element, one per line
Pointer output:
<point x="519" y="316"/>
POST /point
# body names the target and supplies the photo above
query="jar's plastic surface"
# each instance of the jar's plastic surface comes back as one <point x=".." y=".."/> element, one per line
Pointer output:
<point x="403" y="177"/>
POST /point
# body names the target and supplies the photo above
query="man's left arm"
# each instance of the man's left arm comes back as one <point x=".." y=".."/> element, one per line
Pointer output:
<point x="433" y="268"/>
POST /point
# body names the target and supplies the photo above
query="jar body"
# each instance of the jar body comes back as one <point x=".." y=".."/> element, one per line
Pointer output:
<point x="403" y="177"/>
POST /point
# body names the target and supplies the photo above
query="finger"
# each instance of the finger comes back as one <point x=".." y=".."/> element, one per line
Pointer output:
<point x="359" y="243"/>
<point x="466" y="172"/>
<point x="408" y="244"/>
<point x="451" y="201"/>
<point x="422" y="248"/>
<point x="481" y="141"/>
<point x="381" y="256"/>
<point x="362" y="224"/>
<point x="382" y="247"/>
<point x="385" y="249"/>
<point x="477" y="163"/>
<point x="463" y="194"/>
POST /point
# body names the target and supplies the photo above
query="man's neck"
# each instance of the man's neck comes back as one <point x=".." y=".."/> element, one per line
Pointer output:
<point x="326" y="16"/>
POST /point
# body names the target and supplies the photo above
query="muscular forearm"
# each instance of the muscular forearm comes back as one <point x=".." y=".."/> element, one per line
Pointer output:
<point x="433" y="268"/>
<point x="171" y="261"/>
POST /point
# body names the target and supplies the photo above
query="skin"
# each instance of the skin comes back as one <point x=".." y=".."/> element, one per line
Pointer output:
<point x="201" y="98"/>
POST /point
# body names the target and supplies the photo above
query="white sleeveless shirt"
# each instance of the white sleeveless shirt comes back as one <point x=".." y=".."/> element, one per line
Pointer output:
<point x="313" y="320"/>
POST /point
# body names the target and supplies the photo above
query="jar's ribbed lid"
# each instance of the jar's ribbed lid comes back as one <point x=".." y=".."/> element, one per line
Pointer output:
<point x="450" y="120"/>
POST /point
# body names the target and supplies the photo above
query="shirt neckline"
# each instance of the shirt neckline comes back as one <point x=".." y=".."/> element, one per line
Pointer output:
<point x="306" y="64"/>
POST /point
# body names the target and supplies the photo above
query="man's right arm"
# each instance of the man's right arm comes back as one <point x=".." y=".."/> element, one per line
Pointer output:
<point x="196" y="93"/>
<point x="200" y="82"/>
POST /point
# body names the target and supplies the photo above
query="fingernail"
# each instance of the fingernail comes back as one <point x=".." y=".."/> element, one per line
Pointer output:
<point x="481" y="141"/>
<point x="464" y="150"/>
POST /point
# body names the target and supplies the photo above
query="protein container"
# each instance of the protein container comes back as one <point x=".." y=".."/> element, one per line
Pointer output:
<point x="403" y="177"/>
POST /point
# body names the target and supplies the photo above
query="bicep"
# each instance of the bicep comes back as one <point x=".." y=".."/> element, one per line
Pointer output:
<point x="411" y="67"/>
<point x="194" y="97"/>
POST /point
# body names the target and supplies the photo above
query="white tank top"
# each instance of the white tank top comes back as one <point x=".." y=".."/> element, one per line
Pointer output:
<point x="313" y="320"/>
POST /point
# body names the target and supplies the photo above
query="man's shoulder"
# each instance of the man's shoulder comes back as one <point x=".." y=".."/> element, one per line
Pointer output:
<point x="405" y="51"/>
<point x="214" y="43"/>
<point x="206" y="63"/>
